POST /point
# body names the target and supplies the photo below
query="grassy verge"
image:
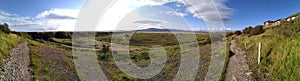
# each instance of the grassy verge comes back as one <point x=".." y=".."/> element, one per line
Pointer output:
<point x="7" y="41"/>
<point x="280" y="59"/>
<point x="228" y="53"/>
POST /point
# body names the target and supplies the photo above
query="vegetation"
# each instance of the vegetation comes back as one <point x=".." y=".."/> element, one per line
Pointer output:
<point x="48" y="35"/>
<point x="280" y="57"/>
<point x="237" y="32"/>
<point x="4" y="28"/>
<point x="8" y="41"/>
<point x="50" y="63"/>
<point x="140" y="55"/>
<point x="51" y="59"/>
<point x="253" y="31"/>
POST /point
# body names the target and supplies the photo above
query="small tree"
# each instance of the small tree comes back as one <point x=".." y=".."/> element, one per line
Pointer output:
<point x="257" y="30"/>
<point x="5" y="28"/>
<point x="103" y="54"/>
<point x="229" y="34"/>
<point x="63" y="35"/>
<point x="247" y="30"/>
<point x="237" y="32"/>
<point x="105" y="49"/>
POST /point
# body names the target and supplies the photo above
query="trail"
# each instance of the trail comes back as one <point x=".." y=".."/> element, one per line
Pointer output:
<point x="237" y="69"/>
<point x="17" y="66"/>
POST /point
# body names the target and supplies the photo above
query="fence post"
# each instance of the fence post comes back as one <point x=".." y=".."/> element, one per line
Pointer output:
<point x="259" y="50"/>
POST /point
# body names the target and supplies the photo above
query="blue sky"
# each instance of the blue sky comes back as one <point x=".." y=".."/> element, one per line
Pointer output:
<point x="255" y="12"/>
<point x="61" y="15"/>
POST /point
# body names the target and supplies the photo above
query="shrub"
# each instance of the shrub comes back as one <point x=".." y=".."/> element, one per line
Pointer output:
<point x="229" y="34"/>
<point x="62" y="35"/>
<point x="253" y="31"/>
<point x="257" y="30"/>
<point x="237" y="32"/>
<point x="5" y="28"/>
<point x="247" y="30"/>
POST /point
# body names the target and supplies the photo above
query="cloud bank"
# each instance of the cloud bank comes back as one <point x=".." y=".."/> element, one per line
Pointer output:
<point x="213" y="11"/>
<point x="58" y="14"/>
<point x="175" y="13"/>
<point x="49" y="20"/>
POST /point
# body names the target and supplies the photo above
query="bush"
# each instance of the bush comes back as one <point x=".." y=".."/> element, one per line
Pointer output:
<point x="253" y="31"/>
<point x="4" y="28"/>
<point x="62" y="35"/>
<point x="229" y="34"/>
<point x="257" y="30"/>
<point x="237" y="32"/>
<point x="247" y="30"/>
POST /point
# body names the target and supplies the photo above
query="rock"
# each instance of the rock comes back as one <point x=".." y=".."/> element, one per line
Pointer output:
<point x="249" y="73"/>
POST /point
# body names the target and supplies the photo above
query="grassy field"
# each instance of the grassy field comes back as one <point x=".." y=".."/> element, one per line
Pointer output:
<point x="8" y="41"/>
<point x="141" y="58"/>
<point x="46" y="66"/>
<point x="51" y="63"/>
<point x="280" y="59"/>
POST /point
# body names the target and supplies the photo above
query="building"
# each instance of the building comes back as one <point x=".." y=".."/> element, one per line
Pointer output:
<point x="277" y="22"/>
<point x="268" y="23"/>
<point x="291" y="18"/>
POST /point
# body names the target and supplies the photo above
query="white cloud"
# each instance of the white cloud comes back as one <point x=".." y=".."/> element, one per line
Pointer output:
<point x="3" y="13"/>
<point x="64" y="19"/>
<point x="49" y="20"/>
<point x="151" y="23"/>
<point x="175" y="13"/>
<point x="210" y="10"/>
<point x="58" y="14"/>
<point x="178" y="5"/>
<point x="121" y="8"/>
<point x="211" y="29"/>
<point x="8" y="17"/>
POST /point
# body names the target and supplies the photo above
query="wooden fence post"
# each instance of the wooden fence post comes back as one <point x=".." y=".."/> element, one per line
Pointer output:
<point x="259" y="50"/>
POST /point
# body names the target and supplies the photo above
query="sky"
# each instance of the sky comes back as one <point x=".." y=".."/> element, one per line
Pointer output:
<point x="61" y="15"/>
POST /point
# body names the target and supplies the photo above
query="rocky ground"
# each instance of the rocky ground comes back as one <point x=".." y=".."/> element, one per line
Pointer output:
<point x="237" y="69"/>
<point x="17" y="66"/>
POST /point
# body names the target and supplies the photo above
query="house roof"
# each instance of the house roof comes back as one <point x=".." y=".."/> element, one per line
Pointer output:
<point x="269" y="21"/>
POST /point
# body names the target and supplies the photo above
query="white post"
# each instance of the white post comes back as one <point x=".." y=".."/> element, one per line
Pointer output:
<point x="259" y="48"/>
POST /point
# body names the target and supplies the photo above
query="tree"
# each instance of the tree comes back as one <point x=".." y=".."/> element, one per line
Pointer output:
<point x="237" y="32"/>
<point x="5" y="28"/>
<point x="257" y="30"/>
<point x="103" y="53"/>
<point x="62" y="35"/>
<point x="229" y="34"/>
<point x="247" y="30"/>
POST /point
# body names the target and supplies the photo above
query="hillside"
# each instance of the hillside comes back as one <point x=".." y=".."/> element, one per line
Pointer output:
<point x="8" y="41"/>
<point x="14" y="56"/>
<point x="280" y="59"/>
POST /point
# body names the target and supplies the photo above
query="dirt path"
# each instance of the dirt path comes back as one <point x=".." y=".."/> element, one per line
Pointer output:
<point x="237" y="69"/>
<point x="17" y="66"/>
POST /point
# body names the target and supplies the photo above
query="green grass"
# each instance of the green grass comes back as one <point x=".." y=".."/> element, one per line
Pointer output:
<point x="228" y="53"/>
<point x="280" y="59"/>
<point x="7" y="41"/>
<point x="62" y="41"/>
<point x="50" y="63"/>
<point x="141" y="58"/>
<point x="43" y="66"/>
